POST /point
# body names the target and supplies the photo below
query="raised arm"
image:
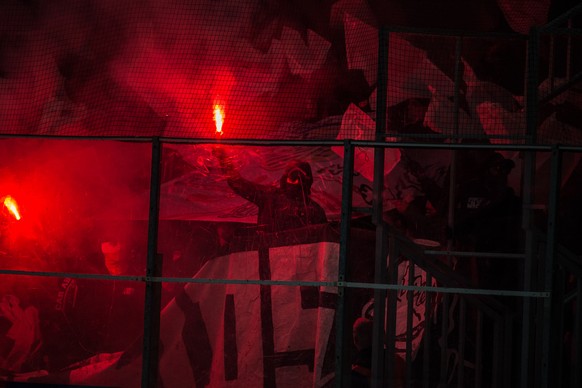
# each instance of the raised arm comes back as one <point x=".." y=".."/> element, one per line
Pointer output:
<point x="248" y="190"/>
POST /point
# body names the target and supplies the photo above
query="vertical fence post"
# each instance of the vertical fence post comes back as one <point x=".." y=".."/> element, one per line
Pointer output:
<point x="378" y="359"/>
<point x="151" y="334"/>
<point x="427" y="337"/>
<point x="409" y="323"/>
<point x="555" y="180"/>
<point x="343" y="336"/>
<point x="390" y="315"/>
<point x="569" y="52"/>
<point x="576" y="373"/>
<point x="558" y="293"/>
<point x="531" y="85"/>
<point x="453" y="168"/>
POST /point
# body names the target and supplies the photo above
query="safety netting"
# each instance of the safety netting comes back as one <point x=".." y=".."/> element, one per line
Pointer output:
<point x="269" y="70"/>
<point x="257" y="256"/>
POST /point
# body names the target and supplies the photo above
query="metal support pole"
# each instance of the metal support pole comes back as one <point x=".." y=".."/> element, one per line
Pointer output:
<point x="551" y="66"/>
<point x="444" y="342"/>
<point x="569" y="53"/>
<point x="462" y="341"/>
<point x="479" y="350"/>
<point x="409" y="324"/>
<point x="453" y="168"/>
<point x="427" y="362"/>
<point x="382" y="92"/>
<point x="531" y="84"/>
<point x="457" y="97"/>
<point x="151" y="335"/>
<point x="576" y="374"/>
<point x="558" y="294"/>
<point x="555" y="179"/>
<point x="378" y="356"/>
<point x="343" y="336"/>
<point x="390" y="315"/>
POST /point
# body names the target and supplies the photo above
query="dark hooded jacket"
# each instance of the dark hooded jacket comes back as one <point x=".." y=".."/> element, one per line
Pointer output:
<point x="288" y="206"/>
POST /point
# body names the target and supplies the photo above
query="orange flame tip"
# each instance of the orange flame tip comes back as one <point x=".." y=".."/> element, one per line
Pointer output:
<point x="218" y="118"/>
<point x="12" y="206"/>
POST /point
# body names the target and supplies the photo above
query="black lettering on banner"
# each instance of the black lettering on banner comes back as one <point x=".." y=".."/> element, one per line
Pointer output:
<point x="329" y="357"/>
<point x="419" y="297"/>
<point x="295" y="357"/>
<point x="366" y="192"/>
<point x="311" y="298"/>
<point x="196" y="340"/>
<point x="267" y="332"/>
<point x="230" y="348"/>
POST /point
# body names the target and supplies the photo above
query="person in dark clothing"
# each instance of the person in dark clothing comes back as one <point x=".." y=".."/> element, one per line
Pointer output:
<point x="288" y="206"/>
<point x="50" y="323"/>
<point x="488" y="219"/>
<point x="361" y="374"/>
<point x="362" y="363"/>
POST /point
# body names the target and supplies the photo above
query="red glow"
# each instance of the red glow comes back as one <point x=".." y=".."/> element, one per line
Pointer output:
<point x="218" y="118"/>
<point x="12" y="206"/>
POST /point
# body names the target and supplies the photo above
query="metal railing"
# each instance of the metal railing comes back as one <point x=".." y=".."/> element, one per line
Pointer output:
<point x="552" y="277"/>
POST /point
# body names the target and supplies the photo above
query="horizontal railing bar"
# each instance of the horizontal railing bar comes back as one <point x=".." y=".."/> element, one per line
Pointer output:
<point x="452" y="33"/>
<point x="307" y="143"/>
<point x="136" y="139"/>
<point x="476" y="254"/>
<point x="561" y="89"/>
<point x="562" y="31"/>
<point x="448" y="290"/>
<point x="562" y="18"/>
<point x="459" y="136"/>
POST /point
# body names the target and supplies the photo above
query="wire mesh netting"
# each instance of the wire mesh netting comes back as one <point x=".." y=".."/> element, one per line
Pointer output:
<point x="275" y="70"/>
<point x="439" y="87"/>
<point x="559" y="92"/>
<point x="254" y="268"/>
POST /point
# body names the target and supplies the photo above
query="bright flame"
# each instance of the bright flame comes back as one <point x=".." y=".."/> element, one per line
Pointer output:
<point x="12" y="206"/>
<point x="218" y="118"/>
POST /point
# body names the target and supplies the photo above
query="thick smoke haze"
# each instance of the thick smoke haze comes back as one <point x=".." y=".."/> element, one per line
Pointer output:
<point x="154" y="68"/>
<point x="72" y="195"/>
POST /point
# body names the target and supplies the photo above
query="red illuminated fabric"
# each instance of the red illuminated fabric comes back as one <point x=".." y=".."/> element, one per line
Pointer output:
<point x="249" y="335"/>
<point x="274" y="336"/>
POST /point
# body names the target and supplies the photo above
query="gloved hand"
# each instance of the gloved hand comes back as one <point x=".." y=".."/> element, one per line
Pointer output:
<point x="219" y="153"/>
<point x="226" y="162"/>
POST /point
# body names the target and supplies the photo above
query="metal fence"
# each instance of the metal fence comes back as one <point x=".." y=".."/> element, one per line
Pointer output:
<point x="473" y="335"/>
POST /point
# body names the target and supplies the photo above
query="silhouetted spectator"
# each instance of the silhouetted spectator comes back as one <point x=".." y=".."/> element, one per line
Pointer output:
<point x="487" y="217"/>
<point x="288" y="206"/>
<point x="362" y="364"/>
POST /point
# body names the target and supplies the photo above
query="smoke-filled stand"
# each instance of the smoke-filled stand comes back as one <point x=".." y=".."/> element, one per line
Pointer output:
<point x="290" y="194"/>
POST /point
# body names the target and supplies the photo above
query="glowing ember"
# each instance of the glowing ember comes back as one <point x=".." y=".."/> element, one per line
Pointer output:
<point x="218" y="118"/>
<point x="12" y="206"/>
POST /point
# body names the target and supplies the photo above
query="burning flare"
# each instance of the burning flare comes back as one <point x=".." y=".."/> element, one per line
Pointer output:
<point x="218" y="117"/>
<point x="12" y="206"/>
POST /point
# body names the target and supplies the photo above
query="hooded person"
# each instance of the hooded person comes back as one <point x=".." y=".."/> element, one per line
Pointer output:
<point x="288" y="206"/>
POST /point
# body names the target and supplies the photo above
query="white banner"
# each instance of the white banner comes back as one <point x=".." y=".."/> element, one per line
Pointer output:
<point x="242" y="335"/>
